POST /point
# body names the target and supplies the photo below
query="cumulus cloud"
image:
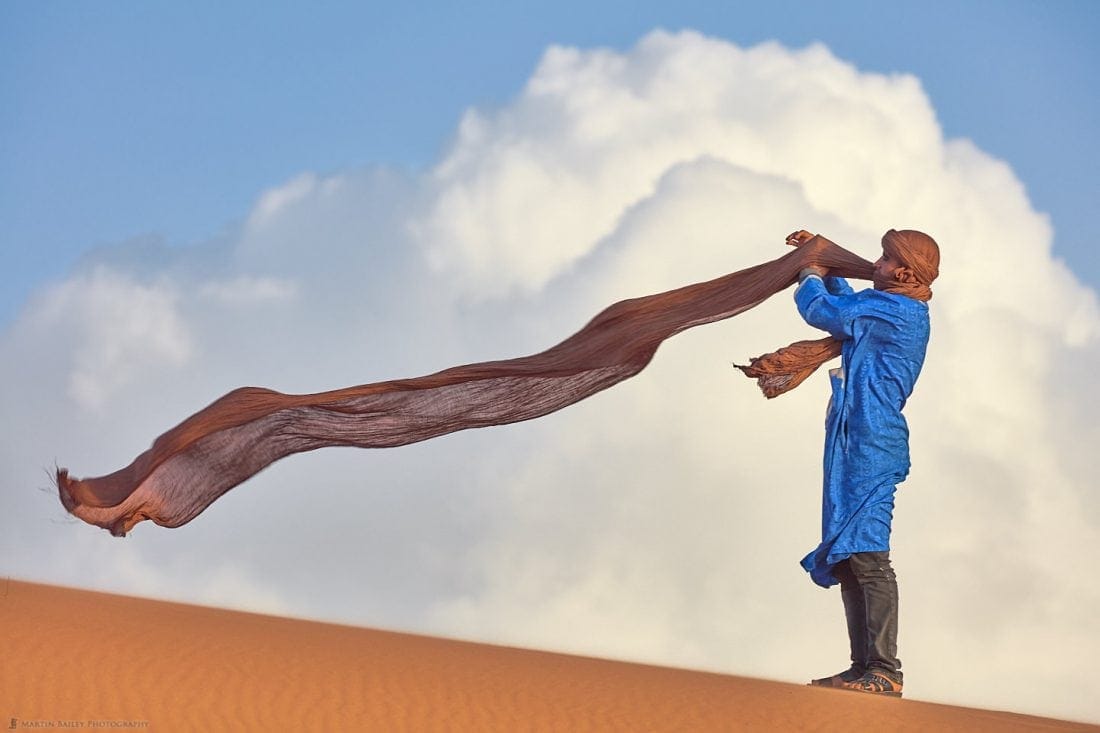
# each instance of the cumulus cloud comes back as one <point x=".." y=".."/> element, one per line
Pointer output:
<point x="119" y="329"/>
<point x="246" y="290"/>
<point x="661" y="520"/>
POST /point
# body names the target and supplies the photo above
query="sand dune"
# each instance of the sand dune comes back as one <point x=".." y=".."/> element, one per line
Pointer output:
<point x="81" y="660"/>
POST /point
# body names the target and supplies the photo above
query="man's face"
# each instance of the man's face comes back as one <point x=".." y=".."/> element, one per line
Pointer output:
<point x="885" y="267"/>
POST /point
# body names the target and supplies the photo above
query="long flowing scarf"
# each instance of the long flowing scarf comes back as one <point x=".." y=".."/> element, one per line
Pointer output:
<point x="232" y="439"/>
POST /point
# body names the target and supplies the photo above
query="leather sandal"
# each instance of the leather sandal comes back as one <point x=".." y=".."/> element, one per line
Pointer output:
<point x="876" y="683"/>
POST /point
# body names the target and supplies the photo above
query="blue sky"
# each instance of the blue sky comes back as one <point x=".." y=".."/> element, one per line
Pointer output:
<point x="121" y="120"/>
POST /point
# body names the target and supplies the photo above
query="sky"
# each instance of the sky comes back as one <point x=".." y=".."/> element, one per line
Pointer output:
<point x="167" y="119"/>
<point x="198" y="197"/>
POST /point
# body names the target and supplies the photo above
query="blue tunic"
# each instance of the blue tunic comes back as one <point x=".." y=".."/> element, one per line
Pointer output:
<point x="884" y="339"/>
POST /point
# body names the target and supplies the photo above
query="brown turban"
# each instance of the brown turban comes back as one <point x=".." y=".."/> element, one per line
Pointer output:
<point x="916" y="251"/>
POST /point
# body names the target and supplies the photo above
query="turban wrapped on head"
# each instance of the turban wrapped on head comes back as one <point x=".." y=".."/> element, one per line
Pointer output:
<point x="920" y="254"/>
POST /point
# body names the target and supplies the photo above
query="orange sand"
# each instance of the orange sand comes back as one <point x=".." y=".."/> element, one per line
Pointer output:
<point x="79" y="660"/>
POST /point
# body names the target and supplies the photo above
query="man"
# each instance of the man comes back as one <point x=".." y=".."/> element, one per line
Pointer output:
<point x="884" y="335"/>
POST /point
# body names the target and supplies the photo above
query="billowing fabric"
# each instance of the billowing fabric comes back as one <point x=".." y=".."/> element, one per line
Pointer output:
<point x="781" y="371"/>
<point x="883" y="341"/>
<point x="238" y="435"/>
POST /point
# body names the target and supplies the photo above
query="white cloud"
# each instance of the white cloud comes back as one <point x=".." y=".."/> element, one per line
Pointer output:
<point x="275" y="200"/>
<point x="120" y="328"/>
<point x="727" y="151"/>
<point x="247" y="289"/>
<point x="662" y="519"/>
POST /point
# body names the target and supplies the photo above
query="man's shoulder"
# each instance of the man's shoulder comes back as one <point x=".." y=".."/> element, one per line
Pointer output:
<point x="890" y="300"/>
<point x="892" y="308"/>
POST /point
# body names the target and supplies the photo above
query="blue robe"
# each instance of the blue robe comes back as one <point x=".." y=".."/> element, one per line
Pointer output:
<point x="884" y="337"/>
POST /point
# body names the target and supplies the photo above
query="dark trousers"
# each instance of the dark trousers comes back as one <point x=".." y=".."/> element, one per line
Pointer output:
<point x="870" y="593"/>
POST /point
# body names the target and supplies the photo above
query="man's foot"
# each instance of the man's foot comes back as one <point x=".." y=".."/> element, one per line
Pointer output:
<point x="876" y="682"/>
<point x="838" y="680"/>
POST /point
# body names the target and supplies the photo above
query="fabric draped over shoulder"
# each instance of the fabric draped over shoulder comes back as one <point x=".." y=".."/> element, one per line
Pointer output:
<point x="783" y="370"/>
<point x="238" y="435"/>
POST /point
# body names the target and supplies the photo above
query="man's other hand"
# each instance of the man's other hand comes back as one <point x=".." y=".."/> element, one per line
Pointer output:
<point x="799" y="238"/>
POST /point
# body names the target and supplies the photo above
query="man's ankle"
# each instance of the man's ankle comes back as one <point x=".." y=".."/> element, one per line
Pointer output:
<point x="894" y="675"/>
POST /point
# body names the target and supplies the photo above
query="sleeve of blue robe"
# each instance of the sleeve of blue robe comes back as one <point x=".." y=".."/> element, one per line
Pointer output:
<point x="838" y="286"/>
<point x="884" y="337"/>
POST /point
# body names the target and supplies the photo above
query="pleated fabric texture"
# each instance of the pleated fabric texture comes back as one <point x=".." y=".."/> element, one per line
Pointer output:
<point x="238" y="435"/>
